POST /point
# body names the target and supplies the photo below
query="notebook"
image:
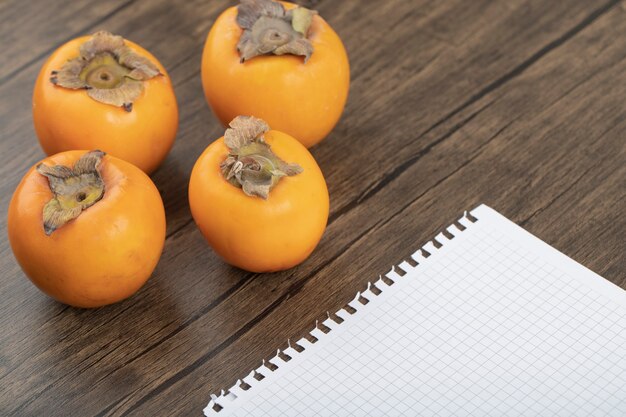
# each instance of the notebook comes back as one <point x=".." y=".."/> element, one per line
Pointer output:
<point x="487" y="320"/>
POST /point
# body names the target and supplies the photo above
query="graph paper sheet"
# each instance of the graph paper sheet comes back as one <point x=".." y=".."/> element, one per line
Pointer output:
<point x="493" y="323"/>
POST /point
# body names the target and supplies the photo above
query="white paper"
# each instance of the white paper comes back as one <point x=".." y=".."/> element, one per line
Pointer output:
<point x="495" y="322"/>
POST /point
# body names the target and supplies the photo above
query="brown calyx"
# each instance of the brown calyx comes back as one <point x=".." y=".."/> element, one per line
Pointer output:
<point x="268" y="28"/>
<point x="74" y="189"/>
<point x="251" y="165"/>
<point x="110" y="71"/>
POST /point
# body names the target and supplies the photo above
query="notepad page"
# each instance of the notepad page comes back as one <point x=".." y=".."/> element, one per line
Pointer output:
<point x="493" y="323"/>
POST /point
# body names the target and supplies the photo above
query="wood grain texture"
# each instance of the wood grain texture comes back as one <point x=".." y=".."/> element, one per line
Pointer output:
<point x="516" y="104"/>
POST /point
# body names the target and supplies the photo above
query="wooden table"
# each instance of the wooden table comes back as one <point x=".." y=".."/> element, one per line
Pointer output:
<point x="517" y="104"/>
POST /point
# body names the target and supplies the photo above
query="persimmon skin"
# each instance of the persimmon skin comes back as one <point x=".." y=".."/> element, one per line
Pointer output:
<point x="68" y="119"/>
<point x="251" y="233"/>
<point x="304" y="100"/>
<point x="104" y="255"/>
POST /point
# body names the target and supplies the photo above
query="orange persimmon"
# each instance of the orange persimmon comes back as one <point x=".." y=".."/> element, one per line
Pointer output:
<point x="105" y="92"/>
<point x="281" y="63"/>
<point x="258" y="197"/>
<point x="87" y="229"/>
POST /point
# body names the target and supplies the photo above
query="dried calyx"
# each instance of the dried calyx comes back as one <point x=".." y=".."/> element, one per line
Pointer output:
<point x="110" y="71"/>
<point x="74" y="189"/>
<point x="251" y="164"/>
<point x="268" y="28"/>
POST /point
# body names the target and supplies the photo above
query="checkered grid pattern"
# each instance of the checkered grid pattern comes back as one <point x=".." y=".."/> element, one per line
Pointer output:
<point x="488" y="330"/>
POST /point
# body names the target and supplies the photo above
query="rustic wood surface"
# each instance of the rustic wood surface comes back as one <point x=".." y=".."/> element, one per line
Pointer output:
<point x="517" y="104"/>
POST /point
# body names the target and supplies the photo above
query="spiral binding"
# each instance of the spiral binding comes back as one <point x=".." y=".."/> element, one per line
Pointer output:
<point x="218" y="402"/>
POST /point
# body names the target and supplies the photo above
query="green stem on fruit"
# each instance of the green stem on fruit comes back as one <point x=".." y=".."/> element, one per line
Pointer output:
<point x="268" y="28"/>
<point x="251" y="165"/>
<point x="110" y="71"/>
<point x="73" y="189"/>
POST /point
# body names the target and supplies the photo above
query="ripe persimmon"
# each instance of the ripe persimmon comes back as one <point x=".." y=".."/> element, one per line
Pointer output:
<point x="105" y="92"/>
<point x="281" y="63"/>
<point x="87" y="229"/>
<point x="258" y="197"/>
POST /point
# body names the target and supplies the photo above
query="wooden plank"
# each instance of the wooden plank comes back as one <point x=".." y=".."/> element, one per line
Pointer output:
<point x="30" y="30"/>
<point x="433" y="121"/>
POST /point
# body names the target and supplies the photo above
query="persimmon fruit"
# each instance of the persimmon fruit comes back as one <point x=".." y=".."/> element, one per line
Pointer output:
<point x="105" y="92"/>
<point x="258" y="197"/>
<point x="87" y="229"/>
<point x="281" y="63"/>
